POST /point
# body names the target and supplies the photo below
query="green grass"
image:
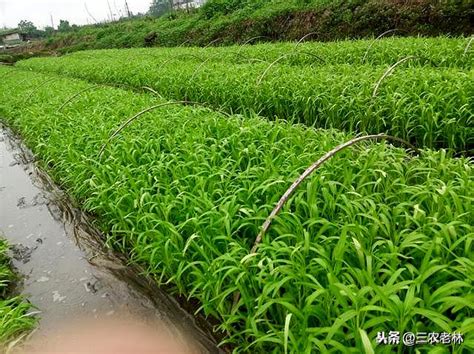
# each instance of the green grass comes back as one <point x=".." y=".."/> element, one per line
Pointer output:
<point x="376" y="240"/>
<point x="428" y="99"/>
<point x="14" y="318"/>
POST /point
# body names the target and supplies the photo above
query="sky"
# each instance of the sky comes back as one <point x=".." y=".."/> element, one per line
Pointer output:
<point x="40" y="11"/>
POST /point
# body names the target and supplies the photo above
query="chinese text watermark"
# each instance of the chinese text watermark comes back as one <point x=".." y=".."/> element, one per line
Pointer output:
<point x="410" y="339"/>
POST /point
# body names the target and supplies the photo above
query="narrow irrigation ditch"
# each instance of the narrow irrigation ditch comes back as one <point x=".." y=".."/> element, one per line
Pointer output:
<point x="66" y="270"/>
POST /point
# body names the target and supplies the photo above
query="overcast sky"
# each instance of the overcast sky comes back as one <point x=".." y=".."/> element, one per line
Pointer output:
<point x="40" y="11"/>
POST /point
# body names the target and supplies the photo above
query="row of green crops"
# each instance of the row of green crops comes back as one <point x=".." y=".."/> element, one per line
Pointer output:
<point x="437" y="52"/>
<point x="429" y="105"/>
<point x="377" y="240"/>
<point x="14" y="318"/>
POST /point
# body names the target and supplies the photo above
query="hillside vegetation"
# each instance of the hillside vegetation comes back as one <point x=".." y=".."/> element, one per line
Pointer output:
<point x="234" y="21"/>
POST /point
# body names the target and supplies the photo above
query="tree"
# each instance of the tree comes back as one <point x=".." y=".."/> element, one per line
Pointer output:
<point x="28" y="28"/>
<point x="64" y="26"/>
<point x="160" y="7"/>
<point x="48" y="31"/>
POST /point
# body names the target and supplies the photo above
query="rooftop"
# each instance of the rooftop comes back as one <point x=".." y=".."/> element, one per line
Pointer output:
<point x="9" y="31"/>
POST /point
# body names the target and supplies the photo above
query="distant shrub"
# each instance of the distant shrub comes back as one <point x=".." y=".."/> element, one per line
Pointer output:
<point x="5" y="58"/>
<point x="222" y="7"/>
<point x="150" y="39"/>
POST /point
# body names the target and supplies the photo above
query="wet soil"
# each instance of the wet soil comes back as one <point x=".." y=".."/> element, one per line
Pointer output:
<point x="66" y="270"/>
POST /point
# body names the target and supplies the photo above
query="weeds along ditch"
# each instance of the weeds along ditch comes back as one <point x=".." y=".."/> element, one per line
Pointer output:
<point x="423" y="93"/>
<point x="15" y="318"/>
<point x="377" y="239"/>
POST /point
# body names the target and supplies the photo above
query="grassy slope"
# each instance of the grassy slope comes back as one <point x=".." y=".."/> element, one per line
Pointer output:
<point x="276" y="20"/>
<point x="13" y="310"/>
<point x="427" y="100"/>
<point x="376" y="240"/>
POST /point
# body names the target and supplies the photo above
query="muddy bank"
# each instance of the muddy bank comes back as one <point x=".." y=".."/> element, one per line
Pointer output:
<point x="66" y="270"/>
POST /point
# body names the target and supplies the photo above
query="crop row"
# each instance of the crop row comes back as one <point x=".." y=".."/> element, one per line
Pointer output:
<point x="378" y="239"/>
<point x="437" y="52"/>
<point x="429" y="106"/>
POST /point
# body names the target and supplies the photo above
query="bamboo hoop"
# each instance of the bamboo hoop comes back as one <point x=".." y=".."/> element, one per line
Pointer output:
<point x="248" y="41"/>
<point x="76" y="95"/>
<point x="389" y="71"/>
<point x="179" y="56"/>
<point x="304" y="37"/>
<point x="198" y="68"/>
<point x="312" y="55"/>
<point x="6" y="74"/>
<point x="375" y="40"/>
<point x="468" y="45"/>
<point x="152" y="91"/>
<point x="253" y="38"/>
<point x="212" y="42"/>
<point x="183" y="43"/>
<point x="248" y="59"/>
<point x="201" y="65"/>
<point x="39" y="86"/>
<point x="314" y="167"/>
<point x="22" y="81"/>
<point x="256" y="60"/>
<point x="134" y="117"/>
<point x="259" y="81"/>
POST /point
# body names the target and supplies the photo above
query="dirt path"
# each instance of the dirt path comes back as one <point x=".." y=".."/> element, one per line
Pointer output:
<point x="67" y="272"/>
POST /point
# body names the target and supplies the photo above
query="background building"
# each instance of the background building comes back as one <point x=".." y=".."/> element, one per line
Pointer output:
<point x="183" y="4"/>
<point x="11" y="38"/>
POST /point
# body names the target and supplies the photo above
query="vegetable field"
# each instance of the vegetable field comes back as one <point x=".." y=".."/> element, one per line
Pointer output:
<point x="427" y="99"/>
<point x="379" y="238"/>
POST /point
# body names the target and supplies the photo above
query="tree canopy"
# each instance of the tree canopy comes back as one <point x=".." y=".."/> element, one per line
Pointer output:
<point x="27" y="27"/>
<point x="64" y="26"/>
<point x="160" y="7"/>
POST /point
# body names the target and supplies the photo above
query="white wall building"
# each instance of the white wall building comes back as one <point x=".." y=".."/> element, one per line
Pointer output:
<point x="184" y="4"/>
<point x="12" y="37"/>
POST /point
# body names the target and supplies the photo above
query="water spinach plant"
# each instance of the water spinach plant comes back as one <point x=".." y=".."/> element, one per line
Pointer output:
<point x="378" y="239"/>
<point x="15" y="318"/>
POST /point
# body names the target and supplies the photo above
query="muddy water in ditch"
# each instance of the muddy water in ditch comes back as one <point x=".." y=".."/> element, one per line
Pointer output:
<point x="66" y="270"/>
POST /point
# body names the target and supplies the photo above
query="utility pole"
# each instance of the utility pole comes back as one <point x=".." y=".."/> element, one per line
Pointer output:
<point x="89" y="13"/>
<point x="52" y="22"/>
<point x="110" y="11"/>
<point x="127" y="10"/>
